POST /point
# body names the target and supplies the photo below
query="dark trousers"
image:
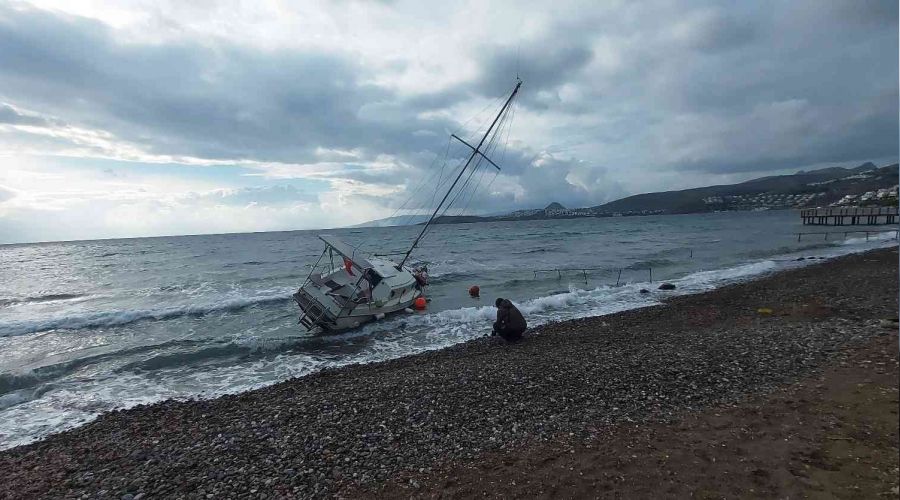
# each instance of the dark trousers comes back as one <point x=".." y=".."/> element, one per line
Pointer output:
<point x="507" y="333"/>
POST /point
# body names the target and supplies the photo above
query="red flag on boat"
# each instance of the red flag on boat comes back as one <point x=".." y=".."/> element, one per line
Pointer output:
<point x="348" y="265"/>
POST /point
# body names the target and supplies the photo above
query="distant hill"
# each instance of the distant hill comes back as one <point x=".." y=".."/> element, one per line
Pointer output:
<point x="400" y="220"/>
<point x="802" y="189"/>
<point x="826" y="186"/>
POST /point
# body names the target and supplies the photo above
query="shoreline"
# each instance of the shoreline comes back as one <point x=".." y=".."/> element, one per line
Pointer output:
<point x="833" y="434"/>
<point x="365" y="424"/>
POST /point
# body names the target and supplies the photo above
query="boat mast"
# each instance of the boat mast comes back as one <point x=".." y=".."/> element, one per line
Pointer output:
<point x="475" y="151"/>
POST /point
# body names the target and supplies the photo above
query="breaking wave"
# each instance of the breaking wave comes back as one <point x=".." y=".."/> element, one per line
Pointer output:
<point x="117" y="318"/>
<point x="879" y="237"/>
<point x="50" y="297"/>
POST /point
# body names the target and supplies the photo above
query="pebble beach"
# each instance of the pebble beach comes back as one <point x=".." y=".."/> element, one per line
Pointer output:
<point x="353" y="430"/>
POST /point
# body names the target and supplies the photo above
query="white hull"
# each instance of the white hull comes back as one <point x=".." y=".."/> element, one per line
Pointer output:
<point x="364" y="290"/>
<point x="350" y="296"/>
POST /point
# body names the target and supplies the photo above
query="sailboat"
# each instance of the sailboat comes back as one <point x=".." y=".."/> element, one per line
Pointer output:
<point x="358" y="289"/>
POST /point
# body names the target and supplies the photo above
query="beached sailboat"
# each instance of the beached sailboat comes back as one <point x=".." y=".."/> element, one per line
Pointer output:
<point x="361" y="289"/>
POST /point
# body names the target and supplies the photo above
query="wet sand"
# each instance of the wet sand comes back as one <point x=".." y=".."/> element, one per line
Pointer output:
<point x="695" y="396"/>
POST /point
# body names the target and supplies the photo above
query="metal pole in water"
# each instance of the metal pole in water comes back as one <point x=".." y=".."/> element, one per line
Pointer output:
<point x="619" y="276"/>
<point x="651" y="274"/>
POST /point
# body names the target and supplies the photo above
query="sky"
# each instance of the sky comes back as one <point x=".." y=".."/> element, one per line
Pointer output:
<point x="146" y="118"/>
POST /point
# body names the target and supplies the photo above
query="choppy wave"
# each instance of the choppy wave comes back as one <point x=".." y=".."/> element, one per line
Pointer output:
<point x="578" y="302"/>
<point x="258" y="346"/>
<point x="117" y="318"/>
<point x="879" y="237"/>
<point x="650" y="263"/>
<point x="50" y="297"/>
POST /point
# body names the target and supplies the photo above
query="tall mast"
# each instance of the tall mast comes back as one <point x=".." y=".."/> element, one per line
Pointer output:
<point x="475" y="151"/>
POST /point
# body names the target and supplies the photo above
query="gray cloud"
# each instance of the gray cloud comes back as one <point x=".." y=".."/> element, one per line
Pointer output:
<point x="12" y="117"/>
<point x="214" y="100"/>
<point x="611" y="97"/>
<point x="545" y="64"/>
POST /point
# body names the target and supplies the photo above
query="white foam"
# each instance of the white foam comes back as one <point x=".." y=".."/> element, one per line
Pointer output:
<point x="885" y="236"/>
<point x="69" y="405"/>
<point x="117" y="318"/>
<point x="703" y="280"/>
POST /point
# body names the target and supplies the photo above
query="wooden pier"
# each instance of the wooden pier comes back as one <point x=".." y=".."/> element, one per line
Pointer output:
<point x="849" y="216"/>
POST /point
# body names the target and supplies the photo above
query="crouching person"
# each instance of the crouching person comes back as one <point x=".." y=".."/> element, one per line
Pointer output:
<point x="510" y="323"/>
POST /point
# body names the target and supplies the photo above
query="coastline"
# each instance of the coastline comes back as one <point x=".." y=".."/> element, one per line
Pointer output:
<point x="361" y="426"/>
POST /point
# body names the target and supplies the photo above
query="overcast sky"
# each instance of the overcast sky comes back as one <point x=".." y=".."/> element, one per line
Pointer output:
<point x="142" y="118"/>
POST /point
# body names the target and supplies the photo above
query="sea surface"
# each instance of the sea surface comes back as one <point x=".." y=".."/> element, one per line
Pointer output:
<point x="90" y="326"/>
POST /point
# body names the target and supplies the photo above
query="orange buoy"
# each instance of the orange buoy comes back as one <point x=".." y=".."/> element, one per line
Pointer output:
<point x="474" y="291"/>
<point x="420" y="303"/>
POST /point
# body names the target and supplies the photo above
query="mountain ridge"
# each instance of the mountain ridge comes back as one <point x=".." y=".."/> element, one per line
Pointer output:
<point x="798" y="190"/>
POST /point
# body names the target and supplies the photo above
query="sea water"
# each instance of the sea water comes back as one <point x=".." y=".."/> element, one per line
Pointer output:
<point x="90" y="326"/>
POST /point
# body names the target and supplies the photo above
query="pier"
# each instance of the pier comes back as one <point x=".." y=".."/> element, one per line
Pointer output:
<point x="849" y="216"/>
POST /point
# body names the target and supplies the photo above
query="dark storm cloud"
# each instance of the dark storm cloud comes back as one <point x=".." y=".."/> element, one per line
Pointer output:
<point x="810" y="88"/>
<point x="545" y="65"/>
<point x="546" y="62"/>
<point x="716" y="31"/>
<point x="214" y="100"/>
<point x="694" y="88"/>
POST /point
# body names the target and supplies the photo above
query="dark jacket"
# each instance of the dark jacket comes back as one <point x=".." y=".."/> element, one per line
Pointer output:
<point x="509" y="319"/>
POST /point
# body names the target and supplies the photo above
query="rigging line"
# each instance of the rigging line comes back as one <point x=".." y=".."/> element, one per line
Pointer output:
<point x="445" y="212"/>
<point x="488" y="150"/>
<point x="508" y="129"/>
<point x="471" y="156"/>
<point x="411" y="216"/>
<point x="458" y="192"/>
<point x="477" y="132"/>
<point x="425" y="181"/>
<point x="506" y="121"/>
<point x="443" y="164"/>
<point x="492" y="146"/>
<point x="412" y="209"/>
<point x="462" y="189"/>
<point x="449" y="177"/>
<point x="490" y="105"/>
<point x="474" y="191"/>
<point x="481" y="158"/>
<point x="398" y="209"/>
<point x="421" y="184"/>
<point x="478" y="162"/>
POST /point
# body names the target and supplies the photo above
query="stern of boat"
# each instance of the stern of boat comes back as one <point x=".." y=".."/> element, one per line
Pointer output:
<point x="316" y="311"/>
